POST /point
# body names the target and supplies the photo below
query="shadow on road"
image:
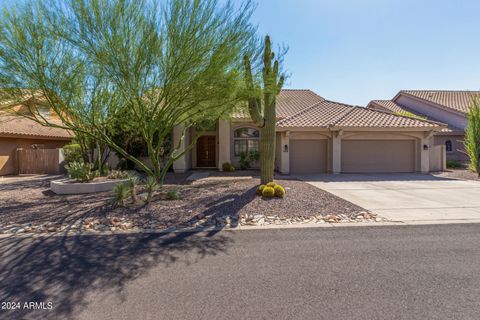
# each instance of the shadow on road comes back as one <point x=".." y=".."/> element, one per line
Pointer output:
<point x="63" y="270"/>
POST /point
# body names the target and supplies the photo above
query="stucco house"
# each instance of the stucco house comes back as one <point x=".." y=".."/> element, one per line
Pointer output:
<point x="19" y="132"/>
<point x="315" y="135"/>
<point x="449" y="107"/>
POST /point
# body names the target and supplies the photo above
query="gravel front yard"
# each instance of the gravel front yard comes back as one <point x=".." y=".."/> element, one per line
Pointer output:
<point x="462" y="174"/>
<point x="29" y="204"/>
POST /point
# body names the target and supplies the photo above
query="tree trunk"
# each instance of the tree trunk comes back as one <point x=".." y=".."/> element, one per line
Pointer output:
<point x="267" y="145"/>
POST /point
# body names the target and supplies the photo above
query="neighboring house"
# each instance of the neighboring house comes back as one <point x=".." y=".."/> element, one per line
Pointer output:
<point x="449" y="107"/>
<point x="19" y="132"/>
<point x="315" y="135"/>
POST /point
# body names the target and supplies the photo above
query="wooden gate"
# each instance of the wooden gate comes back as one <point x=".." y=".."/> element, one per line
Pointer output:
<point x="38" y="161"/>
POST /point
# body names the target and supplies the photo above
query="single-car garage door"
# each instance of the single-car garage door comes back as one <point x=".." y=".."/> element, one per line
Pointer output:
<point x="308" y="156"/>
<point x="377" y="156"/>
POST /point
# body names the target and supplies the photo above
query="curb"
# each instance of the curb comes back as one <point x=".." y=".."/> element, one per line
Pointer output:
<point x="245" y="228"/>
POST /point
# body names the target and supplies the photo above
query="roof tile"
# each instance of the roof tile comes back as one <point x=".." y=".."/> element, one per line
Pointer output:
<point x="17" y="125"/>
<point x="455" y="100"/>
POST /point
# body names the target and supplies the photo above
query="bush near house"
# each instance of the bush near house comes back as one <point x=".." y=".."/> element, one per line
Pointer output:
<point x="228" y="167"/>
<point x="80" y="171"/>
<point x="246" y="159"/>
<point x="454" y="164"/>
<point x="72" y="153"/>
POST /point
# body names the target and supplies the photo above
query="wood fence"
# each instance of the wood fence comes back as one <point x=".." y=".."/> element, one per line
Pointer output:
<point x="38" y="161"/>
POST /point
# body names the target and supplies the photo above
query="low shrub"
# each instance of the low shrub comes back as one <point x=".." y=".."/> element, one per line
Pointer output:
<point x="228" y="167"/>
<point x="268" y="192"/>
<point x="80" y="171"/>
<point x="454" y="164"/>
<point x="132" y="183"/>
<point x="120" y="194"/>
<point x="260" y="189"/>
<point x="72" y="153"/>
<point x="279" y="191"/>
<point x="151" y="185"/>
<point x="173" y="194"/>
<point x="117" y="174"/>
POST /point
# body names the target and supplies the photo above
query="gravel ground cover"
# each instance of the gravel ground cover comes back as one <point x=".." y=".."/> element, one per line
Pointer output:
<point x="27" y="205"/>
<point x="463" y="174"/>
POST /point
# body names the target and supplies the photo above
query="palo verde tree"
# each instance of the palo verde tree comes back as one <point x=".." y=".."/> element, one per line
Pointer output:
<point x="472" y="136"/>
<point x="261" y="106"/>
<point x="157" y="65"/>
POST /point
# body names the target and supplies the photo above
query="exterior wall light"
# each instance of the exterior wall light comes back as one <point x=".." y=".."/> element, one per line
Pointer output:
<point x="425" y="147"/>
<point x="285" y="148"/>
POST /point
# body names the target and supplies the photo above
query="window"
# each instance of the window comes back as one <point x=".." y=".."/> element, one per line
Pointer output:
<point x="448" y="146"/>
<point x="245" y="140"/>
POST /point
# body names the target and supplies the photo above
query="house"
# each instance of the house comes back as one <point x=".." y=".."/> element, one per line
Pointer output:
<point x="19" y="132"/>
<point x="315" y="135"/>
<point x="449" y="107"/>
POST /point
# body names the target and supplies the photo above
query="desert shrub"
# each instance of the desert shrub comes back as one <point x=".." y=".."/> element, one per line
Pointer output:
<point x="271" y="184"/>
<point x="120" y="194"/>
<point x="80" y="171"/>
<point x="228" y="167"/>
<point x="246" y="159"/>
<point x="173" y="194"/>
<point x="279" y="191"/>
<point x="132" y="183"/>
<point x="472" y="136"/>
<point x="72" y="153"/>
<point x="454" y="164"/>
<point x="117" y="174"/>
<point x="260" y="189"/>
<point x="151" y="185"/>
<point x="268" y="192"/>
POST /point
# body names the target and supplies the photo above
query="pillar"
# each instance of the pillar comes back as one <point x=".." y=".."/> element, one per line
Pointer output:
<point x="285" y="153"/>
<point x="181" y="165"/>
<point x="337" y="152"/>
<point x="224" y="143"/>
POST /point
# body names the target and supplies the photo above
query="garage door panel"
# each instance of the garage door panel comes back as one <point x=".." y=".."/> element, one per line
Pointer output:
<point x="308" y="156"/>
<point x="378" y="156"/>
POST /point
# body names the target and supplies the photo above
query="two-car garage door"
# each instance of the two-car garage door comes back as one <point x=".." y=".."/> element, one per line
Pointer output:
<point x="358" y="156"/>
<point x="378" y="156"/>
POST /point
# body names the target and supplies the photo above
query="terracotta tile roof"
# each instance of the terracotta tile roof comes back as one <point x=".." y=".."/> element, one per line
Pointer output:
<point x="289" y="102"/>
<point x="391" y="106"/>
<point x="387" y="105"/>
<point x="360" y="117"/>
<point x="455" y="100"/>
<point x="16" y="125"/>
<point x="333" y="114"/>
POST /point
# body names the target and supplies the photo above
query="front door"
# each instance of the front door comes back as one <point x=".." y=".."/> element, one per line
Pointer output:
<point x="206" y="151"/>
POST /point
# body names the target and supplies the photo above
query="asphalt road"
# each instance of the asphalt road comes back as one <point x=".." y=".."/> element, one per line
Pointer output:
<point x="414" y="272"/>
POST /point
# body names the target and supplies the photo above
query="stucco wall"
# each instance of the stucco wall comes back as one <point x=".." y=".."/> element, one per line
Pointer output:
<point x="8" y="146"/>
<point x="457" y="147"/>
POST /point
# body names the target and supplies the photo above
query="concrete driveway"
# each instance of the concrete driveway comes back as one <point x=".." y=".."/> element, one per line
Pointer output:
<point x="410" y="198"/>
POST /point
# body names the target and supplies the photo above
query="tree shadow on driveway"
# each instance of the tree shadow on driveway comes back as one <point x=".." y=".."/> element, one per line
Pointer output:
<point x="64" y="270"/>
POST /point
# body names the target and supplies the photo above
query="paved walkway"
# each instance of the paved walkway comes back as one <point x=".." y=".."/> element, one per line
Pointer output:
<point x="410" y="198"/>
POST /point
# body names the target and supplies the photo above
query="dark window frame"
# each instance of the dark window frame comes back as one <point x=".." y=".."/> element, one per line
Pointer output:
<point x="245" y="143"/>
<point x="449" y="146"/>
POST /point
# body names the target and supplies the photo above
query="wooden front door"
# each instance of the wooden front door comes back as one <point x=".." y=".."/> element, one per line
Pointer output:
<point x="206" y="151"/>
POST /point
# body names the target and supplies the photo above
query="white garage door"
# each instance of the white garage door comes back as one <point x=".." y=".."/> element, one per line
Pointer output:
<point x="308" y="156"/>
<point x="378" y="156"/>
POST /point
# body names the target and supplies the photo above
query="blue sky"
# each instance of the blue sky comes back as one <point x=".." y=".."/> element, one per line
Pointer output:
<point x="354" y="51"/>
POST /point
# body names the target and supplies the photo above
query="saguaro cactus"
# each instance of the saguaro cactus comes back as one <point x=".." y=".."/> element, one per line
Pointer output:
<point x="261" y="106"/>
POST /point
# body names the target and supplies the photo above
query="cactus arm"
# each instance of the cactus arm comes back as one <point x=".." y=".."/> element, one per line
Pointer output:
<point x="254" y="103"/>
